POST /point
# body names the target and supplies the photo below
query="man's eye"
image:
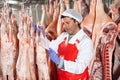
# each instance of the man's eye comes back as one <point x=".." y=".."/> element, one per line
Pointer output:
<point x="67" y="22"/>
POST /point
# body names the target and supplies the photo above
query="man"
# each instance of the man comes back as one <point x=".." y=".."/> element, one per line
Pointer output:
<point x="72" y="51"/>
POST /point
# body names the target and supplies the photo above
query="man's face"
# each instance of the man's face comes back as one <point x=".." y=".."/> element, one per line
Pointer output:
<point x="69" y="25"/>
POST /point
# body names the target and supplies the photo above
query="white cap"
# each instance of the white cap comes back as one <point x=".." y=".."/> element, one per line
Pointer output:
<point x="72" y="14"/>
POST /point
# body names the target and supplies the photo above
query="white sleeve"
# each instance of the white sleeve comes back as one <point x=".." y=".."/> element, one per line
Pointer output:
<point x="83" y="59"/>
<point x="54" y="43"/>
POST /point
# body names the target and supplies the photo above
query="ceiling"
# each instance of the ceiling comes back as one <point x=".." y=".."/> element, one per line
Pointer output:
<point x="17" y="3"/>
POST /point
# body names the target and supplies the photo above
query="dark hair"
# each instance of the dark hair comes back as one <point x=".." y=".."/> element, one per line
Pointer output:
<point x="63" y="16"/>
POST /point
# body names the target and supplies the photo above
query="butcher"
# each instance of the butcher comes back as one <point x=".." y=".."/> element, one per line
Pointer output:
<point x="72" y="51"/>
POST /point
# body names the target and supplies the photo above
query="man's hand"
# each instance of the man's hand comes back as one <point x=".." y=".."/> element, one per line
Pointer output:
<point x="35" y="27"/>
<point x="53" y="56"/>
<point x="44" y="41"/>
<point x="42" y="29"/>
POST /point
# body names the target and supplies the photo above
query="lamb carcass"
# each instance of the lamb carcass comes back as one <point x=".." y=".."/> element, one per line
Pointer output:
<point x="81" y="7"/>
<point x="115" y="15"/>
<point x="24" y="65"/>
<point x="59" y="24"/>
<point x="9" y="49"/>
<point x="104" y="36"/>
<point x="89" y="20"/>
<point x="41" y="57"/>
<point x="51" y="30"/>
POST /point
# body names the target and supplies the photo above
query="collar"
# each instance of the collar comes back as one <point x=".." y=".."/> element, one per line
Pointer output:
<point x="78" y="36"/>
<point x="81" y="34"/>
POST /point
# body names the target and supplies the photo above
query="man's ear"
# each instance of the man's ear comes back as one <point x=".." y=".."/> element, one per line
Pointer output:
<point x="76" y="22"/>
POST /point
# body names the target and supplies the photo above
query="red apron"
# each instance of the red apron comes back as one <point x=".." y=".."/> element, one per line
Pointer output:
<point x="69" y="52"/>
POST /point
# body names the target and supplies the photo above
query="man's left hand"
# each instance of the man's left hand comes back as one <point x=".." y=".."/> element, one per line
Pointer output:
<point x="53" y="56"/>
